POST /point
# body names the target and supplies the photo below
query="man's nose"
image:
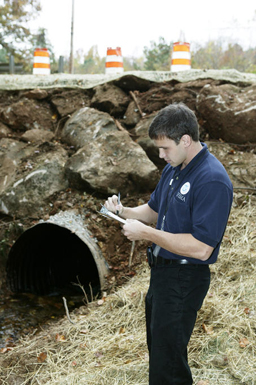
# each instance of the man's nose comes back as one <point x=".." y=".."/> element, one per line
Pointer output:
<point x="161" y="153"/>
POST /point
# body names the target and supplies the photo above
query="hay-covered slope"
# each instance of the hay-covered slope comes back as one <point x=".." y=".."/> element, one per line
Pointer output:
<point x="107" y="343"/>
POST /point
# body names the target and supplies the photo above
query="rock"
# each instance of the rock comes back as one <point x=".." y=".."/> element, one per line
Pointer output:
<point x="111" y="99"/>
<point x="27" y="195"/>
<point x="240" y="165"/>
<point x="36" y="94"/>
<point x="86" y="125"/>
<point x="108" y="158"/>
<point x="159" y="97"/>
<point x="37" y="136"/>
<point x="28" y="114"/>
<point x="110" y="164"/>
<point x="12" y="152"/>
<point x="141" y="130"/>
<point x="4" y="130"/>
<point x="69" y="101"/>
<point x="132" y="115"/>
<point x="155" y="99"/>
<point x="228" y="112"/>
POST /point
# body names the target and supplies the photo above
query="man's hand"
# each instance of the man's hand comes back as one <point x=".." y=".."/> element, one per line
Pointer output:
<point x="134" y="230"/>
<point x="112" y="205"/>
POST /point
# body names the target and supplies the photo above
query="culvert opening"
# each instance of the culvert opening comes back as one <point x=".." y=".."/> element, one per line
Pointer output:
<point x="49" y="258"/>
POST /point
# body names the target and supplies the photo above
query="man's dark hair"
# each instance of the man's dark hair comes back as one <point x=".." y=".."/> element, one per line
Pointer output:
<point x="173" y="122"/>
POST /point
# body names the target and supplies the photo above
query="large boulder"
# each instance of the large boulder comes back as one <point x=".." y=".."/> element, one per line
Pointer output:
<point x="110" y="164"/>
<point x="228" y="112"/>
<point x="85" y="126"/>
<point x="35" y="181"/>
<point x="27" y="114"/>
<point x="108" y="159"/>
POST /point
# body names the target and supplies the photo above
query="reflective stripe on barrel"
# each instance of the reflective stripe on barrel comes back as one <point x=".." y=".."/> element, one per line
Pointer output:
<point x="114" y="61"/>
<point x="41" y="64"/>
<point x="181" y="57"/>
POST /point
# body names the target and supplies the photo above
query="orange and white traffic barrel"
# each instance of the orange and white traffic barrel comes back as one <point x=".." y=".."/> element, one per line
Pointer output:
<point x="181" y="57"/>
<point x="114" y="61"/>
<point x="41" y="64"/>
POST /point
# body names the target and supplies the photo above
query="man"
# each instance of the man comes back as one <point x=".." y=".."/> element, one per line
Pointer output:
<point x="191" y="206"/>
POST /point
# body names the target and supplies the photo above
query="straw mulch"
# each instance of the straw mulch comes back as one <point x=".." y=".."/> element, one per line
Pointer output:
<point x="106" y="345"/>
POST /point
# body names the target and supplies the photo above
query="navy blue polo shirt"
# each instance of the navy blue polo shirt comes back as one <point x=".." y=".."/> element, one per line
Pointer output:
<point x="198" y="202"/>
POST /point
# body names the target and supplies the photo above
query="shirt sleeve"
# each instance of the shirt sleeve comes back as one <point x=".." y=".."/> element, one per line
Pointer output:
<point x="153" y="201"/>
<point x="210" y="212"/>
<point x="155" y="197"/>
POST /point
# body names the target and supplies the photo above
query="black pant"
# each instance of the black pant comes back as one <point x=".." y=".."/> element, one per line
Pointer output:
<point x="175" y="294"/>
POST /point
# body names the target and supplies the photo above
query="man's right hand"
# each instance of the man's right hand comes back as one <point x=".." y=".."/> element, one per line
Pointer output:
<point x="112" y="205"/>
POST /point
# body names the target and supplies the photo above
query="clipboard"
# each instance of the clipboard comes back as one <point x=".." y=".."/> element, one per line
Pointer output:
<point x="108" y="214"/>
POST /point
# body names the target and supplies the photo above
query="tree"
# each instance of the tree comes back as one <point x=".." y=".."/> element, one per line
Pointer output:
<point x="41" y="40"/>
<point x="15" y="37"/>
<point x="207" y="57"/>
<point x="158" y="56"/>
<point x="3" y="56"/>
<point x="234" y="57"/>
<point x="133" y="63"/>
<point x="214" y="56"/>
<point x="88" y="63"/>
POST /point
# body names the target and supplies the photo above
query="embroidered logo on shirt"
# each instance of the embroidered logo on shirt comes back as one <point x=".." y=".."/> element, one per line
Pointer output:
<point x="185" y="188"/>
<point x="180" y="196"/>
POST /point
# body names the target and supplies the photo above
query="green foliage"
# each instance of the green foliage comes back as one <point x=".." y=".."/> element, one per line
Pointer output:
<point x="208" y="56"/>
<point x="158" y="56"/>
<point x="133" y="63"/>
<point x="15" y="37"/>
<point x="3" y="56"/>
<point x="214" y="56"/>
<point x="88" y="63"/>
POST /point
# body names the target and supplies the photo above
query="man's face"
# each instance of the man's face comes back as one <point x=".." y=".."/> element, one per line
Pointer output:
<point x="172" y="153"/>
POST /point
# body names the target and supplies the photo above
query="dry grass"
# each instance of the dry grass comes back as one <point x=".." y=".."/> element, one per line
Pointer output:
<point x="107" y="344"/>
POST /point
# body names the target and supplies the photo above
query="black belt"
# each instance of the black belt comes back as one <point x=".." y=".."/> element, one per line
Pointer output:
<point x="164" y="261"/>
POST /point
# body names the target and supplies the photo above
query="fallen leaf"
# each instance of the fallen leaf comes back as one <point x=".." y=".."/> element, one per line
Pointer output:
<point x="5" y="350"/>
<point x="243" y="342"/>
<point x="122" y="330"/>
<point x="208" y="329"/>
<point x="247" y="310"/>
<point x="42" y="357"/>
<point x="60" y="337"/>
<point x="73" y="363"/>
<point x="128" y="361"/>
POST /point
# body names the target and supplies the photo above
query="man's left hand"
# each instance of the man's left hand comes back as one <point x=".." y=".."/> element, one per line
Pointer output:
<point x="134" y="230"/>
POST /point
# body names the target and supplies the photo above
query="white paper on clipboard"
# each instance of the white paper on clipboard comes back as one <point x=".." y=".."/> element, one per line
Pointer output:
<point x="106" y="213"/>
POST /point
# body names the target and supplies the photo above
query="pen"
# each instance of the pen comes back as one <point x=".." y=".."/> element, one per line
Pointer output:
<point x="118" y="202"/>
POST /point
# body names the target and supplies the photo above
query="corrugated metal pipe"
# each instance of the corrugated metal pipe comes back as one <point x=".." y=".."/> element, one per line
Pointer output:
<point x="51" y="256"/>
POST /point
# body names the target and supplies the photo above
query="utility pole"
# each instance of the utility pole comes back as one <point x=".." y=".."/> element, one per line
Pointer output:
<point x="71" y="58"/>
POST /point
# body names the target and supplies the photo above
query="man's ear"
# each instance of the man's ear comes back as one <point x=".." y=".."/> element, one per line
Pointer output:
<point x="187" y="140"/>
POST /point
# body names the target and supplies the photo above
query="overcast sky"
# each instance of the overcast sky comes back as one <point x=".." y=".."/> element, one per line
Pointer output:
<point x="133" y="24"/>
